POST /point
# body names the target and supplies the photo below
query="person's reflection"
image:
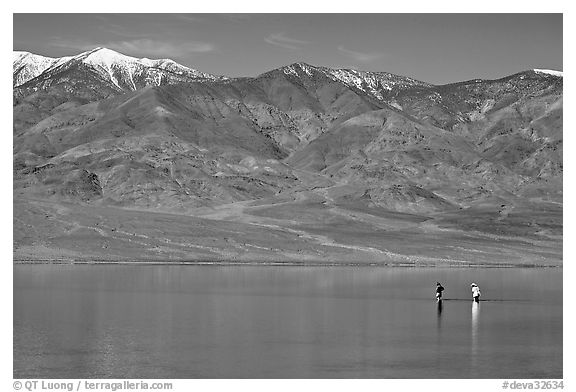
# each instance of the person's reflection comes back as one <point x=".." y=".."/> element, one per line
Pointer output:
<point x="475" y="315"/>
<point x="474" y="348"/>
<point x="439" y="305"/>
<point x="439" y="314"/>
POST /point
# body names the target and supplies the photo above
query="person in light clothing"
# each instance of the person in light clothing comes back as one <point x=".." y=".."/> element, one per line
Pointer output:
<point x="475" y="292"/>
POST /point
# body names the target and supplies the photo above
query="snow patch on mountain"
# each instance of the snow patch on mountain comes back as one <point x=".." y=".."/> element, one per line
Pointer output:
<point x="376" y="84"/>
<point x="289" y="70"/>
<point x="298" y="70"/>
<point x="373" y="83"/>
<point x="306" y="68"/>
<point x="550" y="72"/>
<point x="26" y="66"/>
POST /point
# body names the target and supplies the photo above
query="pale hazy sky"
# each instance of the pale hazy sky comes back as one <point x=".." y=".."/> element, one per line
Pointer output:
<point x="436" y="48"/>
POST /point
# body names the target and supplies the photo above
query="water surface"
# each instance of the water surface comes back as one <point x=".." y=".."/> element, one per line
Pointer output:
<point x="122" y="321"/>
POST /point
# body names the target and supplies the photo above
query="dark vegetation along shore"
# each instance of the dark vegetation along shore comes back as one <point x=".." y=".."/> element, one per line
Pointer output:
<point x="302" y="165"/>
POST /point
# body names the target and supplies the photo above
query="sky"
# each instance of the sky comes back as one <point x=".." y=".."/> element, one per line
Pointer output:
<point x="435" y="48"/>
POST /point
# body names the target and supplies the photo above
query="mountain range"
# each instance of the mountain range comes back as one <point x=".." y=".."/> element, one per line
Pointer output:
<point x="121" y="158"/>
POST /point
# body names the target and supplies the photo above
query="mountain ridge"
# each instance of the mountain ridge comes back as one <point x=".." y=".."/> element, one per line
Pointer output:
<point x="347" y="75"/>
<point x="345" y="163"/>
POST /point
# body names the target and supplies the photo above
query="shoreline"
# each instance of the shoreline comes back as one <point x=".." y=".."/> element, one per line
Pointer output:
<point x="282" y="264"/>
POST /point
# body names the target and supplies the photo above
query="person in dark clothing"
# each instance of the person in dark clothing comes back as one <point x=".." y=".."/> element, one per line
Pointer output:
<point x="439" y="290"/>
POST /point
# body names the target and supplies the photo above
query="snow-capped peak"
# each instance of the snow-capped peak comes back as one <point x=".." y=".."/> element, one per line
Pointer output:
<point x="112" y="61"/>
<point x="550" y="72"/>
<point x="105" y="57"/>
<point x="124" y="72"/>
<point x="18" y="55"/>
<point x="26" y="65"/>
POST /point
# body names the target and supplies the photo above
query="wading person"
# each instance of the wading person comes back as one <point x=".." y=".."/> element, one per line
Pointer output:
<point x="439" y="290"/>
<point x="475" y="292"/>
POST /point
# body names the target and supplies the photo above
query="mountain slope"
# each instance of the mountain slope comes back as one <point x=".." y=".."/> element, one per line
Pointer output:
<point x="450" y="105"/>
<point x="44" y="85"/>
<point x="343" y="164"/>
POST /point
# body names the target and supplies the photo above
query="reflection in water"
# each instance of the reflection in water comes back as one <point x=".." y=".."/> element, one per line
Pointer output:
<point x="439" y="310"/>
<point x="109" y="321"/>
<point x="439" y="306"/>
<point x="475" y="318"/>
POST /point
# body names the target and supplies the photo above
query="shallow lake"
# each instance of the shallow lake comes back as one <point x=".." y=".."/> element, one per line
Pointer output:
<point x="122" y="321"/>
